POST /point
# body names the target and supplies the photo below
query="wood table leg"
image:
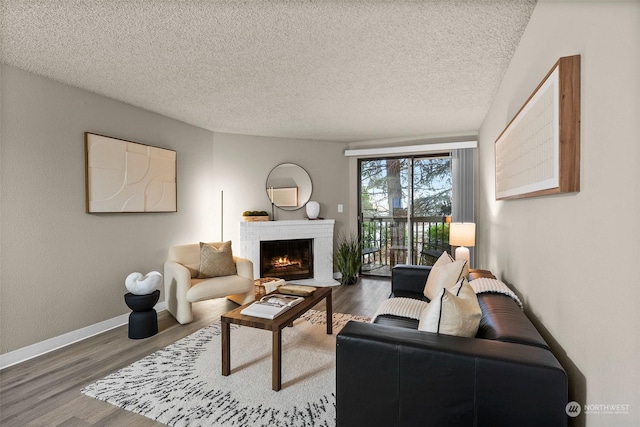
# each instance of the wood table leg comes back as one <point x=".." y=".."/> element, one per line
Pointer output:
<point x="226" y="348"/>
<point x="276" y="362"/>
<point x="329" y="314"/>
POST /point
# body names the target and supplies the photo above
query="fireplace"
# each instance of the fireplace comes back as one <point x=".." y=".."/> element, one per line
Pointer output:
<point x="287" y="259"/>
<point x="320" y="232"/>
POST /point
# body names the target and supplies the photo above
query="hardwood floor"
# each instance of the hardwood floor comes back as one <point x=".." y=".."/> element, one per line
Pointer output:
<point x="45" y="391"/>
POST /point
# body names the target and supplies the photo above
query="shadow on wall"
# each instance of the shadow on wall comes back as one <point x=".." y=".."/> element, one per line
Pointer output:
<point x="577" y="382"/>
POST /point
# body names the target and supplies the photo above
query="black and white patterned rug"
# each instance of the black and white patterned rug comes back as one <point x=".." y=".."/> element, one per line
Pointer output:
<point x="182" y="384"/>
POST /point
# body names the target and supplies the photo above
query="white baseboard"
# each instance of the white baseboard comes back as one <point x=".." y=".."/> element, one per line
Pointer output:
<point x="43" y="347"/>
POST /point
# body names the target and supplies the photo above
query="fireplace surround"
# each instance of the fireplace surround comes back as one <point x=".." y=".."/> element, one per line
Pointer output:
<point x="319" y="231"/>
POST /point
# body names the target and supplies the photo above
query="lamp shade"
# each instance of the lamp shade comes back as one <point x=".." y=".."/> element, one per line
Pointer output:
<point x="462" y="234"/>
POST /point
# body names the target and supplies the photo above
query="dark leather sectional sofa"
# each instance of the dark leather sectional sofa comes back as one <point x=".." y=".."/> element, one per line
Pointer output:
<point x="391" y="374"/>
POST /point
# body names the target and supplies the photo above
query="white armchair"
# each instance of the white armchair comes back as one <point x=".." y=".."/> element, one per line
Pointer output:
<point x="182" y="287"/>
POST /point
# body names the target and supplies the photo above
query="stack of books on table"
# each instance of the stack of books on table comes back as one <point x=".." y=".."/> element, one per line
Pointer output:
<point x="270" y="306"/>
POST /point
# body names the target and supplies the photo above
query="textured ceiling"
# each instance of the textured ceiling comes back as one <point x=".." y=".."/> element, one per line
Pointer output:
<point x="312" y="69"/>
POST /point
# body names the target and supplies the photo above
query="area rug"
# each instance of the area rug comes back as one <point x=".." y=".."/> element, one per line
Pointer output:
<point x="182" y="384"/>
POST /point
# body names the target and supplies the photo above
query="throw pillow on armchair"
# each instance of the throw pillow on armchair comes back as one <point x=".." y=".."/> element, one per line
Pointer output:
<point x="216" y="260"/>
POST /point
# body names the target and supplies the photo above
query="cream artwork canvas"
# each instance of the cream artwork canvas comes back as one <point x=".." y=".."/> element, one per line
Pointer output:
<point x="124" y="176"/>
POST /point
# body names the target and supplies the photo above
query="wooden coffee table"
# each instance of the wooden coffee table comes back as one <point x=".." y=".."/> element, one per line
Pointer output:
<point x="275" y="326"/>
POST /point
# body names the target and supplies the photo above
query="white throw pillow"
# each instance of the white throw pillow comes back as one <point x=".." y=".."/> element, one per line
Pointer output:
<point x="444" y="276"/>
<point x="453" y="312"/>
<point x="443" y="259"/>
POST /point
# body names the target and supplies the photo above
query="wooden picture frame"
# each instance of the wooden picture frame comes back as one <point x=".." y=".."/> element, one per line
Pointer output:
<point x="538" y="153"/>
<point x="124" y="176"/>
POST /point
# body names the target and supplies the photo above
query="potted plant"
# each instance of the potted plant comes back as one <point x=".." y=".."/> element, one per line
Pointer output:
<point x="347" y="258"/>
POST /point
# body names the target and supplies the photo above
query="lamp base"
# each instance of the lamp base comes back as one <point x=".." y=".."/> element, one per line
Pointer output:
<point x="462" y="252"/>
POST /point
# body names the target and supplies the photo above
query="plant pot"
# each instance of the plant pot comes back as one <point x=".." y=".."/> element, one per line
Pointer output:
<point x="349" y="280"/>
<point x="347" y="258"/>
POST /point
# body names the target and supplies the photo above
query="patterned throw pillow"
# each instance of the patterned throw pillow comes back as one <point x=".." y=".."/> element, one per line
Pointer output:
<point x="453" y="312"/>
<point x="216" y="260"/>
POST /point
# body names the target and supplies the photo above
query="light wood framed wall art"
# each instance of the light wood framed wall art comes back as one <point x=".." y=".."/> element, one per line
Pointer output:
<point x="538" y="153"/>
<point x="125" y="176"/>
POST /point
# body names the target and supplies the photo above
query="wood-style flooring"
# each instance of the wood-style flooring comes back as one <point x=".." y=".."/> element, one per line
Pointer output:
<point x="45" y="391"/>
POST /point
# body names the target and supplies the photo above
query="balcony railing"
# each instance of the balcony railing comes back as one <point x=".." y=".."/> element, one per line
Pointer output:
<point x="386" y="241"/>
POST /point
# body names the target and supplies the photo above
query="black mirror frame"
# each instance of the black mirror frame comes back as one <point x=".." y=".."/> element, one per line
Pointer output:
<point x="301" y="181"/>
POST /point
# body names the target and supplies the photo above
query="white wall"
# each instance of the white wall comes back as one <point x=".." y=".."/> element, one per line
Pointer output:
<point x="64" y="269"/>
<point x="574" y="257"/>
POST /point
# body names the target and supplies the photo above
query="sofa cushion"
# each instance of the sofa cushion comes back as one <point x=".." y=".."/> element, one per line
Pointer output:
<point x="188" y="256"/>
<point x="216" y="260"/>
<point x="408" y="294"/>
<point x="409" y="280"/>
<point x="218" y="287"/>
<point x="454" y="312"/>
<point x="444" y="276"/>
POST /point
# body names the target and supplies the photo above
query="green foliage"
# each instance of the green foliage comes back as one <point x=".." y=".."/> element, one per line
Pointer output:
<point x="385" y="186"/>
<point x="347" y="257"/>
<point x="439" y="232"/>
<point x="369" y="236"/>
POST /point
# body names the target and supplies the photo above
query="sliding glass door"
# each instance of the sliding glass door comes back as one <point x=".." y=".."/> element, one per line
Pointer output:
<point x="404" y="205"/>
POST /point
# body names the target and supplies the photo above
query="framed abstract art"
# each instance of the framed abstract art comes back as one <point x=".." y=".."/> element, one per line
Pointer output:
<point x="538" y="153"/>
<point x="125" y="176"/>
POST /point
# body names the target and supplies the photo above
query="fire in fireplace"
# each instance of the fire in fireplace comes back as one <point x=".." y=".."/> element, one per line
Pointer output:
<point x="287" y="259"/>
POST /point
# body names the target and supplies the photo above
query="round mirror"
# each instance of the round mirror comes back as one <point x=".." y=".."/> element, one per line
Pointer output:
<point x="289" y="186"/>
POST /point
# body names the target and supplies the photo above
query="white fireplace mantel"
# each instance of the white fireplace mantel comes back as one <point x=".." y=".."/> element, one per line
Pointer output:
<point x="321" y="231"/>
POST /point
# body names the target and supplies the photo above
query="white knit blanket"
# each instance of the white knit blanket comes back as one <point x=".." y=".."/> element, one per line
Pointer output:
<point x="403" y="307"/>
<point x="411" y="308"/>
<point x="486" y="285"/>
